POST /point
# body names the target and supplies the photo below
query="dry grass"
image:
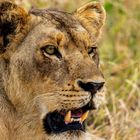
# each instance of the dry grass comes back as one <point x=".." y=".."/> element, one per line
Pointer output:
<point x="119" y="119"/>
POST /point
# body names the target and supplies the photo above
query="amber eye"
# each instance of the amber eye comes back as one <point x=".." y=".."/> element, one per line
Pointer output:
<point x="49" y="49"/>
<point x="92" y="51"/>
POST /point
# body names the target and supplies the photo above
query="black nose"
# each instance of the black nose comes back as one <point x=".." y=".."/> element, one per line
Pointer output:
<point x="91" y="86"/>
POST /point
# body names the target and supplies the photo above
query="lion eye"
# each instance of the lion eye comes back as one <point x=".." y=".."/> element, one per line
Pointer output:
<point x="49" y="49"/>
<point x="92" y="51"/>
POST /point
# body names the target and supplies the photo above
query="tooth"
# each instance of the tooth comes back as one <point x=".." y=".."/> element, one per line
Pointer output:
<point x="76" y="120"/>
<point x="68" y="117"/>
<point x="84" y="116"/>
<point x="72" y="119"/>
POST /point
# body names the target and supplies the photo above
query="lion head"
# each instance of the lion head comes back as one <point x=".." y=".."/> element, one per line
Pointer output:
<point x="49" y="69"/>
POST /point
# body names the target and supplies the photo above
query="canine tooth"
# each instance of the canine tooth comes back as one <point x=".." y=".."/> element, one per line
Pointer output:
<point x="68" y="117"/>
<point x="84" y="116"/>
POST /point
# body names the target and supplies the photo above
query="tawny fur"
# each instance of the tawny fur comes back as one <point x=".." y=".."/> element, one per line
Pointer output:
<point x="31" y="84"/>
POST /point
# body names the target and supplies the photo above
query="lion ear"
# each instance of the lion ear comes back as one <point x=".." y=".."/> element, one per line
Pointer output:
<point x="92" y="17"/>
<point x="13" y="24"/>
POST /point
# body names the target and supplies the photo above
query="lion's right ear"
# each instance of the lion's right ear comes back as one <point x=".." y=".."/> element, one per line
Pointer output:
<point x="14" y="22"/>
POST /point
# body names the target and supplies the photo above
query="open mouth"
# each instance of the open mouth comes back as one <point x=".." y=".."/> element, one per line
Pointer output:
<point x="57" y="122"/>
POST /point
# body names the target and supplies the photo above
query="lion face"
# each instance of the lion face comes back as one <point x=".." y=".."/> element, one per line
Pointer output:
<point x="54" y="73"/>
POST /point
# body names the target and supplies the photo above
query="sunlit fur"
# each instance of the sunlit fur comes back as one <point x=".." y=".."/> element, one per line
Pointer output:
<point x="33" y="84"/>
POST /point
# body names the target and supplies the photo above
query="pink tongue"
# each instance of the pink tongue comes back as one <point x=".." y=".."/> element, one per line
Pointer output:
<point x="77" y="114"/>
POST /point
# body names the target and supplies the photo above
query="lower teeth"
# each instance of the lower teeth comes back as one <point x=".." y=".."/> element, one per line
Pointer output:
<point x="75" y="120"/>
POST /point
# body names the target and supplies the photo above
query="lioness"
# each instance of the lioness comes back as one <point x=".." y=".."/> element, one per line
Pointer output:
<point x="49" y="71"/>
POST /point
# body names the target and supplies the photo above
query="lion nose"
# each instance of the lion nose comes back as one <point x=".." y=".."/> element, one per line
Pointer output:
<point x="91" y="86"/>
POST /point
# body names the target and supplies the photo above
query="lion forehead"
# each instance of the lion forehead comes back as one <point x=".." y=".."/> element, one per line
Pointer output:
<point x="58" y="21"/>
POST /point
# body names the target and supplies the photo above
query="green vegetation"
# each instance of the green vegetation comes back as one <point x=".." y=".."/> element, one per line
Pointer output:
<point x="119" y="119"/>
<point x="120" y="56"/>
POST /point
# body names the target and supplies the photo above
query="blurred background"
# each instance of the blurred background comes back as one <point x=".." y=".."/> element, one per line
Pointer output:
<point x="119" y="50"/>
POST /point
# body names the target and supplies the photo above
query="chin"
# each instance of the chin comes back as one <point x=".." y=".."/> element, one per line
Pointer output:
<point x="71" y="135"/>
